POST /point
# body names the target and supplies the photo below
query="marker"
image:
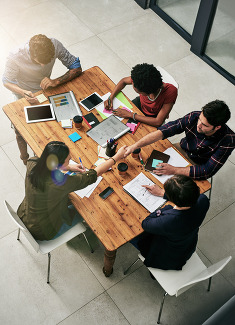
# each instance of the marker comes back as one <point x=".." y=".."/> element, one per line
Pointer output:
<point x="109" y="101"/>
<point x="81" y="162"/>
<point x="28" y="95"/>
<point x="141" y="160"/>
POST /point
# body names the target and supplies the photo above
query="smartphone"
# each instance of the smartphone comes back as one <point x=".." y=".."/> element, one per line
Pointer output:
<point x="106" y="192"/>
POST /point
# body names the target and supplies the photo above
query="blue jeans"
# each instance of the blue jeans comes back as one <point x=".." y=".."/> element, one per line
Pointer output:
<point x="65" y="227"/>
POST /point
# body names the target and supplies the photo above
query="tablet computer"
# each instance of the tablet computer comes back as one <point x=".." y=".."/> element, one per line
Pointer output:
<point x="91" y="101"/>
<point x="39" y="113"/>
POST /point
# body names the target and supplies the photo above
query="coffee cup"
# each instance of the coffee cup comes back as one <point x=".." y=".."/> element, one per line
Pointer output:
<point x="122" y="168"/>
<point x="78" y="121"/>
<point x="135" y="153"/>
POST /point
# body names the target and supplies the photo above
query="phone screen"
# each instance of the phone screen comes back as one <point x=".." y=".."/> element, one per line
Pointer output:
<point x="106" y="193"/>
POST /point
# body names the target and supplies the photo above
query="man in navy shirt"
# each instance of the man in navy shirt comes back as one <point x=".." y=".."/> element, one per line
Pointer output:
<point x="171" y="233"/>
<point x="208" y="141"/>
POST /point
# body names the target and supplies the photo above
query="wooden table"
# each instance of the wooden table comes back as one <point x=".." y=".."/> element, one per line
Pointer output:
<point x="116" y="220"/>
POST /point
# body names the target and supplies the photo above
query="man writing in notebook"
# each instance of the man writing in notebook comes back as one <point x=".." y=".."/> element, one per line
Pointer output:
<point x="28" y="70"/>
<point x="208" y="141"/>
<point x="156" y="98"/>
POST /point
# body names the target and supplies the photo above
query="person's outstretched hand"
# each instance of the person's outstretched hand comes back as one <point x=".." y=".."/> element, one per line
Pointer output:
<point x="129" y="150"/>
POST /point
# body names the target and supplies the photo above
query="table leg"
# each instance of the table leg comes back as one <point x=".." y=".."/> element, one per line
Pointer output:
<point x="109" y="259"/>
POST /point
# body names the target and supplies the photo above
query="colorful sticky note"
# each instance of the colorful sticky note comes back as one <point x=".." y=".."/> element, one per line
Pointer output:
<point x="156" y="162"/>
<point x="66" y="123"/>
<point x="132" y="126"/>
<point x="75" y="137"/>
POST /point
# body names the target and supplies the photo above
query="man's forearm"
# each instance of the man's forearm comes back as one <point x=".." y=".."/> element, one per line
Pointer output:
<point x="69" y="75"/>
<point x="14" y="88"/>
<point x="149" y="139"/>
<point x="182" y="171"/>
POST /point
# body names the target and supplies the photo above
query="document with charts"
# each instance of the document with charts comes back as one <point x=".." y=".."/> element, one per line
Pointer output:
<point x="143" y="196"/>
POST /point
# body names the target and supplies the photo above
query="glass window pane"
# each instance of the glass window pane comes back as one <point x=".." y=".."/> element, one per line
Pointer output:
<point x="221" y="44"/>
<point x="184" y="12"/>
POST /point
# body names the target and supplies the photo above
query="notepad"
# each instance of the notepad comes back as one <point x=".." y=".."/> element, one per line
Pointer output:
<point x="75" y="137"/>
<point x="66" y="124"/>
<point x="41" y="98"/>
<point x="155" y="158"/>
<point x="135" y="189"/>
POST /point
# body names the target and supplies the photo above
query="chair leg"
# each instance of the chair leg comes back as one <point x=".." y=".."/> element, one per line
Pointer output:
<point x="91" y="249"/>
<point x="209" y="284"/>
<point x="18" y="236"/>
<point x="160" y="311"/>
<point x="210" y="189"/>
<point x="48" y="270"/>
<point x="125" y="272"/>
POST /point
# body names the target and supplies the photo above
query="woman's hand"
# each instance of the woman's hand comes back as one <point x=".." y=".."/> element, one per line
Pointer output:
<point x="155" y="190"/>
<point x="120" y="154"/>
<point x="76" y="168"/>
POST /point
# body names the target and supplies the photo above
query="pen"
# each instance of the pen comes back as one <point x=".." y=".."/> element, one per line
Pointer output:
<point x="109" y="101"/>
<point x="81" y="162"/>
<point x="145" y="191"/>
<point x="28" y="95"/>
<point x="141" y="160"/>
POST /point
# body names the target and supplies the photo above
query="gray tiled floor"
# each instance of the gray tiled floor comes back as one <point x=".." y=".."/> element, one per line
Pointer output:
<point x="114" y="35"/>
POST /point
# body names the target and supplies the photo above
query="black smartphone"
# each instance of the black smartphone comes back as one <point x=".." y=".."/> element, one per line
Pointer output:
<point x="106" y="192"/>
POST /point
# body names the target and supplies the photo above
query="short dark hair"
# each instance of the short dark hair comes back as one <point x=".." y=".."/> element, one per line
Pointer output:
<point x="146" y="78"/>
<point x="216" y="112"/>
<point x="41" y="48"/>
<point x="53" y="155"/>
<point x="182" y="190"/>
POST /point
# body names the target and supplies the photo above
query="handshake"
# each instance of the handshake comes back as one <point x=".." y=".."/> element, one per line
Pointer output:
<point x="125" y="151"/>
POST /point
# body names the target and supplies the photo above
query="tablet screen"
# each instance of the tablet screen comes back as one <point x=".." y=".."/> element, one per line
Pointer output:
<point x="39" y="113"/>
<point x="91" y="101"/>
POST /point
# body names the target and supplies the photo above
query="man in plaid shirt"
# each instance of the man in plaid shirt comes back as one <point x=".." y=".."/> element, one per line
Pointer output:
<point x="208" y="141"/>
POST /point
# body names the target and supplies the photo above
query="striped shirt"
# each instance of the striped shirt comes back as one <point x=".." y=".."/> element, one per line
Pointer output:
<point x="208" y="152"/>
<point x="27" y="74"/>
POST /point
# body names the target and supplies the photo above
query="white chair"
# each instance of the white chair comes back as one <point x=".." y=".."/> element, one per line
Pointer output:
<point x="45" y="247"/>
<point x="166" y="77"/>
<point x="176" y="282"/>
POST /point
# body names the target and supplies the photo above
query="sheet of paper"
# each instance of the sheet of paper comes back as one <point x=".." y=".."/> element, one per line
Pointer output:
<point x="41" y="98"/>
<point x="123" y="99"/>
<point x="66" y="124"/>
<point x="175" y="160"/>
<point x="87" y="191"/>
<point x="116" y="104"/>
<point x="143" y="196"/>
<point x="102" y="152"/>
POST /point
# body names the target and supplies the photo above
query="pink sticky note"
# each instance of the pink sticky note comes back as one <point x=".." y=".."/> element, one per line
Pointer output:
<point x="132" y="126"/>
<point x="110" y="111"/>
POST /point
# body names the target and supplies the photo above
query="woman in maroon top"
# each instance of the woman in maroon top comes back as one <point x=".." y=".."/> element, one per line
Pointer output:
<point x="155" y="99"/>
